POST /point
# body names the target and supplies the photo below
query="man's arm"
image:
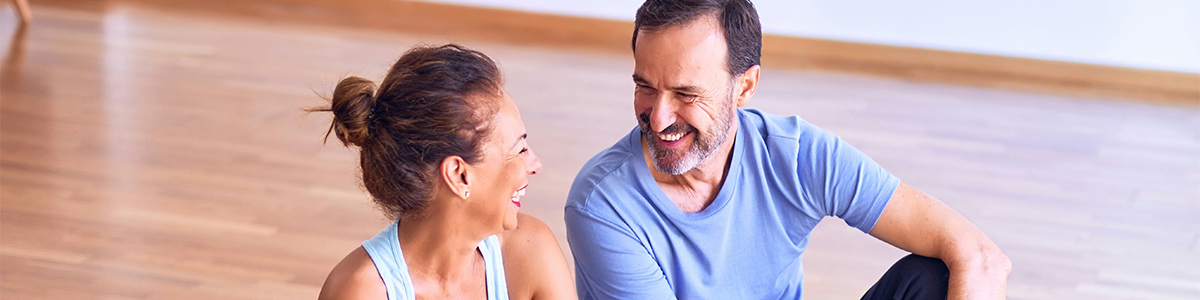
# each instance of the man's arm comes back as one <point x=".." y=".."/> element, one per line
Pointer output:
<point x="610" y="262"/>
<point x="918" y="223"/>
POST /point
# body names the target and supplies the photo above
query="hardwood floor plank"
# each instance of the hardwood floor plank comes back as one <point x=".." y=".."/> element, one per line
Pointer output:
<point x="158" y="149"/>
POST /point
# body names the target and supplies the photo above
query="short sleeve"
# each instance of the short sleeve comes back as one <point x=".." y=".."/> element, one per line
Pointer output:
<point x="610" y="262"/>
<point x="841" y="181"/>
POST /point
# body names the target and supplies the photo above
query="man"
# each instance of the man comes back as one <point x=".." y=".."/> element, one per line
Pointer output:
<point x="706" y="200"/>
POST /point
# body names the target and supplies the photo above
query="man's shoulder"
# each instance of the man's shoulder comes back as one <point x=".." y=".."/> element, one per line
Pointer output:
<point x="603" y="171"/>
<point x="783" y="130"/>
<point x="777" y="126"/>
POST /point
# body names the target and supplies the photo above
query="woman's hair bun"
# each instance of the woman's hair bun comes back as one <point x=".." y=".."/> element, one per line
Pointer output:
<point x="435" y="102"/>
<point x="353" y="102"/>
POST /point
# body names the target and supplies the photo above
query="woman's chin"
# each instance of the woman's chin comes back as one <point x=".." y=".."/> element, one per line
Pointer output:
<point x="510" y="221"/>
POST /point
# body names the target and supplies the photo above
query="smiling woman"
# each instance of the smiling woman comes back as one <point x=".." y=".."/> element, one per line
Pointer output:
<point x="443" y="153"/>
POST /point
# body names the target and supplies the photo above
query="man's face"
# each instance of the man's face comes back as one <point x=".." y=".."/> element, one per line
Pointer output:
<point x="683" y="99"/>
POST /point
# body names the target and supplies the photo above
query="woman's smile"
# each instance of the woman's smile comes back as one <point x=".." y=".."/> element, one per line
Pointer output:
<point x="516" y="196"/>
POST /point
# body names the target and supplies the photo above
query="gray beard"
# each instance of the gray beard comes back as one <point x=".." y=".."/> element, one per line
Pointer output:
<point x="699" y="151"/>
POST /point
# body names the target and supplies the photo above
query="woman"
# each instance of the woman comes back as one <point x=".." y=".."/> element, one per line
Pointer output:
<point x="443" y="153"/>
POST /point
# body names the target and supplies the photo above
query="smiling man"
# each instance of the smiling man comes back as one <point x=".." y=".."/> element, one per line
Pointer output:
<point x="708" y="200"/>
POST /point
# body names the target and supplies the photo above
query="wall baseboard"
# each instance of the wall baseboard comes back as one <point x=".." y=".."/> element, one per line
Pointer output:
<point x="1014" y="73"/>
<point x="490" y="24"/>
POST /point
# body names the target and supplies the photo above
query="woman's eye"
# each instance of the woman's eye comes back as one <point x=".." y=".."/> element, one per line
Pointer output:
<point x="523" y="150"/>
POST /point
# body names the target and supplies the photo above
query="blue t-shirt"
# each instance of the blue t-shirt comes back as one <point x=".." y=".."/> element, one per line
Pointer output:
<point x="631" y="242"/>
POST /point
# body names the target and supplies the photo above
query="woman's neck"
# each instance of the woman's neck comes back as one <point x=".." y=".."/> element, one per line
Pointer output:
<point x="439" y="245"/>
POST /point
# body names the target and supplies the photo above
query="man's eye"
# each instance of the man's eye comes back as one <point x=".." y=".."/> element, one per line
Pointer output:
<point x="688" y="97"/>
<point x="523" y="150"/>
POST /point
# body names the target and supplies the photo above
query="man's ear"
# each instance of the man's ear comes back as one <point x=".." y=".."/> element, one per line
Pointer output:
<point x="747" y="84"/>
<point x="454" y="172"/>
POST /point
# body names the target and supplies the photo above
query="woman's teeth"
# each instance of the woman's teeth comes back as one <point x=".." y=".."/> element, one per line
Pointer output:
<point x="516" y="196"/>
<point x="671" y="137"/>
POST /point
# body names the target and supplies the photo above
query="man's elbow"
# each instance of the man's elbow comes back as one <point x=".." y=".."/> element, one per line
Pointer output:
<point x="999" y="263"/>
<point x="988" y="259"/>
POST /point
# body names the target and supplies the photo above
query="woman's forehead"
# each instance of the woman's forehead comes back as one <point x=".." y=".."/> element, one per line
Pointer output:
<point x="507" y="125"/>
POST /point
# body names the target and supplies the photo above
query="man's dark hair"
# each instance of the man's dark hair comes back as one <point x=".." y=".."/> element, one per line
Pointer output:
<point x="738" y="19"/>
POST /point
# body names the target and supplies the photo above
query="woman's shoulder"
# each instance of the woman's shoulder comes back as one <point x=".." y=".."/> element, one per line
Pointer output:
<point x="530" y="234"/>
<point x="531" y="243"/>
<point x="355" y="277"/>
<point x="534" y="265"/>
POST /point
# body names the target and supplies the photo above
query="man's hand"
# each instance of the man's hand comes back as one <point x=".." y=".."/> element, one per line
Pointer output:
<point x="918" y="223"/>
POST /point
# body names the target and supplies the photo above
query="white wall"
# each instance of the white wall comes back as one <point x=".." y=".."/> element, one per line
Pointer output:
<point x="1146" y="34"/>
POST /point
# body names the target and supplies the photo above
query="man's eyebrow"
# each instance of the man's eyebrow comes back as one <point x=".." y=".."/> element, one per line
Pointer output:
<point x="690" y="89"/>
<point x="639" y="80"/>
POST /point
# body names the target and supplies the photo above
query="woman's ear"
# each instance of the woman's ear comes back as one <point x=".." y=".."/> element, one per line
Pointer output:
<point x="455" y="174"/>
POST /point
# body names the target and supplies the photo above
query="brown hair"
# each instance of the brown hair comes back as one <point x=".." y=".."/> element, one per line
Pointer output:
<point x="738" y="20"/>
<point x="434" y="103"/>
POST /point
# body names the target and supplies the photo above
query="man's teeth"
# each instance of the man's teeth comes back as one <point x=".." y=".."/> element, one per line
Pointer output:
<point x="671" y="137"/>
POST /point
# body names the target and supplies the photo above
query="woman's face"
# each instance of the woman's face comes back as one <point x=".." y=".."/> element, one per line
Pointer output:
<point x="503" y="174"/>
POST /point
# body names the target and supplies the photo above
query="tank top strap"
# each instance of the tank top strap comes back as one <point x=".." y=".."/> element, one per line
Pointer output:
<point x="385" y="252"/>
<point x="493" y="263"/>
<point x="384" y="249"/>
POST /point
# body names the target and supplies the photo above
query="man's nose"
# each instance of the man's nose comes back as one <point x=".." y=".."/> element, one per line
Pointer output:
<point x="662" y="113"/>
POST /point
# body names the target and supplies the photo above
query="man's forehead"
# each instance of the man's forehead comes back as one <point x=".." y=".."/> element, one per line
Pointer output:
<point x="682" y="50"/>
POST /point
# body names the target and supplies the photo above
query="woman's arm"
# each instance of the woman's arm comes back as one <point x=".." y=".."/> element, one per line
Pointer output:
<point x="355" y="277"/>
<point x="534" y="265"/>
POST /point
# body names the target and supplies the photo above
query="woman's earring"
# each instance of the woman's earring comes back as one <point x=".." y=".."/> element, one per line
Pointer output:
<point x="466" y="194"/>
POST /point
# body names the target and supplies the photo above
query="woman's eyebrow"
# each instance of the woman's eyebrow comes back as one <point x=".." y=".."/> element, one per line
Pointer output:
<point x="523" y="136"/>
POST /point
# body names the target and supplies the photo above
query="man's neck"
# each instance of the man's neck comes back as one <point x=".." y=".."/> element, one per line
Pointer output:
<point x="695" y="189"/>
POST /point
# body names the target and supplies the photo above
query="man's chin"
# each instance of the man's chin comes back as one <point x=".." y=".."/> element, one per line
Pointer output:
<point x="672" y="166"/>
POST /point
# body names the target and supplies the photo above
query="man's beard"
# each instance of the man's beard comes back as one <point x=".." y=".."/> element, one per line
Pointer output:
<point x="677" y="162"/>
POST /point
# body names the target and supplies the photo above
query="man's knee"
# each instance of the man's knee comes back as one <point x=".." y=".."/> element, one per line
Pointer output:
<point x="913" y="277"/>
<point x="922" y="268"/>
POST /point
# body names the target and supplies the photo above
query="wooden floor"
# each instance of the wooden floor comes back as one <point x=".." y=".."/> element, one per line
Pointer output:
<point x="156" y="153"/>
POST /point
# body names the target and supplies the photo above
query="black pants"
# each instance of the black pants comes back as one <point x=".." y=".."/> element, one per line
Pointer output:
<point x="912" y="277"/>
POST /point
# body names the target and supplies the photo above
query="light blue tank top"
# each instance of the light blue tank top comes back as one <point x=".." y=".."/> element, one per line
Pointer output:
<point x="385" y="252"/>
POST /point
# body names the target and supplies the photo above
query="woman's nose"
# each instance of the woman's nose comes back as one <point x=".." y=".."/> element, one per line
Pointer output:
<point x="535" y="164"/>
